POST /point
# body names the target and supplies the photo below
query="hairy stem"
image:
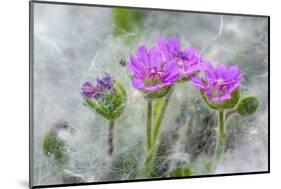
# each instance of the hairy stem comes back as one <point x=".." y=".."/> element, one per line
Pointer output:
<point x="220" y="136"/>
<point x="229" y="113"/>
<point x="156" y="131"/>
<point x="148" y="124"/>
<point x="152" y="152"/>
<point x="110" y="138"/>
<point x="148" y="166"/>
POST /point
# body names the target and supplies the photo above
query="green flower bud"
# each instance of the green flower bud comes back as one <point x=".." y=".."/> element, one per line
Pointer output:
<point x="111" y="104"/>
<point x="247" y="105"/>
<point x="53" y="146"/>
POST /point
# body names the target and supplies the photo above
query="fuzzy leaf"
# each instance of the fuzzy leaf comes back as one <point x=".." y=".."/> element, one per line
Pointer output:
<point x="247" y="105"/>
<point x="181" y="171"/>
<point x="126" y="21"/>
<point x="54" y="147"/>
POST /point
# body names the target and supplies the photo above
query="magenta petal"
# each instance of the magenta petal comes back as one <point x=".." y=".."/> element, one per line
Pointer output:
<point x="189" y="51"/>
<point x="208" y="69"/>
<point x="221" y="71"/>
<point x="154" y="87"/>
<point x="142" y="55"/>
<point x="234" y="72"/>
<point x="235" y="86"/>
<point x="88" y="89"/>
<point x="208" y="92"/>
<point x="162" y="44"/>
<point x="138" y="83"/>
<point x="174" y="44"/>
<point x="170" y="65"/>
<point x="198" y="82"/>
<point x="136" y="67"/>
<point x="171" y="77"/>
<point x="221" y="98"/>
<point x="136" y="72"/>
<point x="155" y="57"/>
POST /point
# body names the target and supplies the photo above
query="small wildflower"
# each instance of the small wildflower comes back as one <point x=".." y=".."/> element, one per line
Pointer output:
<point x="189" y="60"/>
<point x="218" y="83"/>
<point x="151" y="72"/>
<point x="96" y="91"/>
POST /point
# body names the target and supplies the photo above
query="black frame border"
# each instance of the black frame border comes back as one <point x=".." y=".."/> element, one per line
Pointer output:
<point x="31" y="93"/>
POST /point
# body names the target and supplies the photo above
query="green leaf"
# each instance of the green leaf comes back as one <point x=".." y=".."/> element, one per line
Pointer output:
<point x="247" y="105"/>
<point x="181" y="171"/>
<point x="93" y="104"/>
<point x="54" y="147"/>
<point x="126" y="21"/>
<point x="228" y="104"/>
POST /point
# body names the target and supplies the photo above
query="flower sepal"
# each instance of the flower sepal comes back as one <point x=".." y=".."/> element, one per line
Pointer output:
<point x="157" y="94"/>
<point x="183" y="79"/>
<point x="227" y="104"/>
<point x="111" y="104"/>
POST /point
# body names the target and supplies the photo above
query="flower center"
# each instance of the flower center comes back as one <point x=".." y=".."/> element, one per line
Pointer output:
<point x="155" y="74"/>
<point x="181" y="58"/>
<point x="219" y="82"/>
<point x="180" y="63"/>
<point x="181" y="55"/>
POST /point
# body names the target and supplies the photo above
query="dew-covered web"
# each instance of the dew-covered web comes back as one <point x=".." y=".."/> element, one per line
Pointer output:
<point x="75" y="44"/>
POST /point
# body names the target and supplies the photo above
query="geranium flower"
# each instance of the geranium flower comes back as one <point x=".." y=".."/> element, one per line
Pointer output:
<point x="218" y="83"/>
<point x="96" y="91"/>
<point x="151" y="71"/>
<point x="189" y="60"/>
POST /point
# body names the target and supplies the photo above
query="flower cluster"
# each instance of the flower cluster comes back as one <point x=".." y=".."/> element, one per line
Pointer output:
<point x="167" y="63"/>
<point x="103" y="85"/>
<point x="163" y="65"/>
<point x="154" y="72"/>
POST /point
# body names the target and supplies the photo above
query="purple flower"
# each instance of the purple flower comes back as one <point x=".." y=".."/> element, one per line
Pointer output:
<point x="105" y="83"/>
<point x="96" y="91"/>
<point x="88" y="89"/>
<point x="189" y="60"/>
<point x="151" y="71"/>
<point x="218" y="83"/>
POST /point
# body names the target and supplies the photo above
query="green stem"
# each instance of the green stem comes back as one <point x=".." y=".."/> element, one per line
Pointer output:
<point x="158" y="122"/>
<point x="148" y="124"/>
<point x="110" y="138"/>
<point x="148" y="166"/>
<point x="152" y="152"/>
<point x="229" y="113"/>
<point x="220" y="136"/>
